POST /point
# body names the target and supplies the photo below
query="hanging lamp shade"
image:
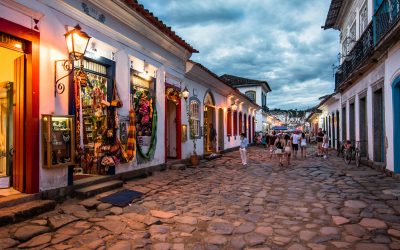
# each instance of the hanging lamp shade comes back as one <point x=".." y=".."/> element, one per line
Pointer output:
<point x="77" y="42"/>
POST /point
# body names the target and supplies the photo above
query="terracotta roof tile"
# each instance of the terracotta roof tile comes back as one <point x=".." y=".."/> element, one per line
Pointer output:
<point x="333" y="13"/>
<point x="149" y="16"/>
<point x="236" y="81"/>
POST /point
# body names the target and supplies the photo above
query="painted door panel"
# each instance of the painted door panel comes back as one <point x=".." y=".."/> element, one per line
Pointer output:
<point x="19" y="121"/>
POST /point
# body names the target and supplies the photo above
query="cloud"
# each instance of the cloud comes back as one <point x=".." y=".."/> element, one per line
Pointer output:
<point x="274" y="40"/>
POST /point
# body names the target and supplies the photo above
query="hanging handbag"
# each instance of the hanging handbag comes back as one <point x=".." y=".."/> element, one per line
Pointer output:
<point x="116" y="102"/>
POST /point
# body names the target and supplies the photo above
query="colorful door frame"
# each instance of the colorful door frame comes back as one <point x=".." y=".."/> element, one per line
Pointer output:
<point x="178" y="125"/>
<point x="28" y="159"/>
<point x="396" y="123"/>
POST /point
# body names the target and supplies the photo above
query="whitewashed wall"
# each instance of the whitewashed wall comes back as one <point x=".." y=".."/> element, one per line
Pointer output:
<point x="53" y="47"/>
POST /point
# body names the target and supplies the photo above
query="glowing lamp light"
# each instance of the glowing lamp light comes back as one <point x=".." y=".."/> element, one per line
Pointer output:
<point x="18" y="45"/>
<point x="77" y="42"/>
<point x="185" y="93"/>
<point x="234" y="106"/>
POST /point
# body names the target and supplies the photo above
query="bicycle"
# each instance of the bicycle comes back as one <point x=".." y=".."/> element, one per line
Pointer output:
<point x="340" y="147"/>
<point x="353" y="153"/>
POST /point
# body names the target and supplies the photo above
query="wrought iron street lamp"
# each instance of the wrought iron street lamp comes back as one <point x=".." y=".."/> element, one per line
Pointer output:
<point x="185" y="93"/>
<point x="77" y="42"/>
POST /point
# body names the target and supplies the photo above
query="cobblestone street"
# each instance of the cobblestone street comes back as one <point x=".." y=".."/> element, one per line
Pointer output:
<point x="313" y="204"/>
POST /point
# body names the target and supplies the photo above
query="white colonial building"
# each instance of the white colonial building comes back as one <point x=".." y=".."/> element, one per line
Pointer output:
<point x="257" y="92"/>
<point x="367" y="80"/>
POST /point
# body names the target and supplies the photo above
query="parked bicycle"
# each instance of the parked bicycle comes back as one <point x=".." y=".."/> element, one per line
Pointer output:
<point x="352" y="153"/>
<point x="340" y="148"/>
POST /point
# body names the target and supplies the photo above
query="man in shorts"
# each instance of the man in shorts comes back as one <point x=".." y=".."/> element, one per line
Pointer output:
<point x="320" y="140"/>
<point x="295" y="143"/>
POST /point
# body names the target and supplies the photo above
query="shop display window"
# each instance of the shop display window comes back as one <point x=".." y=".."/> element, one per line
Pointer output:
<point x="143" y="102"/>
<point x="58" y="141"/>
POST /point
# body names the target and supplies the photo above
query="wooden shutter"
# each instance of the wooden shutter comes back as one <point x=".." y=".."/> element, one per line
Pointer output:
<point x="229" y="123"/>
<point x="240" y="123"/>
<point x="235" y="125"/>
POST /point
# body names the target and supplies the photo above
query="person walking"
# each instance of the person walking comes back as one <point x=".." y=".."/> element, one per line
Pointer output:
<point x="243" y="148"/>
<point x="272" y="141"/>
<point x="279" y="143"/>
<point x="295" y="143"/>
<point x="325" y="145"/>
<point x="303" y="145"/>
<point x="213" y="138"/>
<point x="288" y="149"/>
<point x="320" y="140"/>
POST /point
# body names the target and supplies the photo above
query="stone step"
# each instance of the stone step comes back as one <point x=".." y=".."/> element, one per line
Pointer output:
<point x="93" y="190"/>
<point x="25" y="211"/>
<point x="15" y="199"/>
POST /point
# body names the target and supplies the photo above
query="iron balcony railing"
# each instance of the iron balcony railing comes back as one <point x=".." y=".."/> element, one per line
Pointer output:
<point x="385" y="17"/>
<point x="359" y="53"/>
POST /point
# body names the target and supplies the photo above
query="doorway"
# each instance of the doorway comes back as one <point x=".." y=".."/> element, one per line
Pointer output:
<point x="171" y="130"/>
<point x="25" y="130"/>
<point x="221" y="129"/>
<point x="344" y="123"/>
<point x="378" y="126"/>
<point x="173" y="123"/>
<point x="209" y="130"/>
<point x="396" y="123"/>
<point x="210" y="133"/>
<point x="352" y="123"/>
<point x="93" y="119"/>
<point x="363" y="127"/>
<point x="12" y="79"/>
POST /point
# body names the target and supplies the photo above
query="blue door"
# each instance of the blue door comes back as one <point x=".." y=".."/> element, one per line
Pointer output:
<point x="396" y="123"/>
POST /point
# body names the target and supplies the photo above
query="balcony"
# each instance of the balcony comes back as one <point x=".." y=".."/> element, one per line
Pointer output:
<point x="360" y="52"/>
<point x="386" y="16"/>
<point x="381" y="33"/>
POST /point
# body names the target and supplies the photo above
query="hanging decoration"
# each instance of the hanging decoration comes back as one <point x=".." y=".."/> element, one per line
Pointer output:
<point x="146" y="123"/>
<point x="131" y="141"/>
<point x="173" y="95"/>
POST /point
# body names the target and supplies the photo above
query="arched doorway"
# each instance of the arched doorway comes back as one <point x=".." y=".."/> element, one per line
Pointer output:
<point x="396" y="123"/>
<point x="210" y="133"/>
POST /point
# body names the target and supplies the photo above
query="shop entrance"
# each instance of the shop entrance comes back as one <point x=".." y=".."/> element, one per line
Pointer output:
<point x="19" y="109"/>
<point x="95" y="118"/>
<point x="210" y="133"/>
<point x="12" y="70"/>
<point x="12" y="77"/>
<point x="171" y="130"/>
<point x="173" y="136"/>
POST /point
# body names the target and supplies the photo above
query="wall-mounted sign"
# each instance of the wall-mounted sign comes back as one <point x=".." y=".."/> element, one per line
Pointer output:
<point x="93" y="12"/>
<point x="12" y="42"/>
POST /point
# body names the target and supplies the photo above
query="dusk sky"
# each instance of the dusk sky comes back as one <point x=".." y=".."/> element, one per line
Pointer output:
<point x="280" y="41"/>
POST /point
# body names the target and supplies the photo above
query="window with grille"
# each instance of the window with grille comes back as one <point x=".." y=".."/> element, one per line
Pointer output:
<point x="363" y="17"/>
<point x="251" y="95"/>
<point x="195" y="116"/>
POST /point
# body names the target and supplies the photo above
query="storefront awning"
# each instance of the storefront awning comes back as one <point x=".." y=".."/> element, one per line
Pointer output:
<point x="279" y="128"/>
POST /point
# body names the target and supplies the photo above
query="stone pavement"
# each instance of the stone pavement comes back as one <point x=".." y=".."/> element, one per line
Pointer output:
<point x="313" y="204"/>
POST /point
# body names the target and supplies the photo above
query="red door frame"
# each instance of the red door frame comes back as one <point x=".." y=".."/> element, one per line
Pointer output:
<point x="30" y="147"/>
<point x="178" y="125"/>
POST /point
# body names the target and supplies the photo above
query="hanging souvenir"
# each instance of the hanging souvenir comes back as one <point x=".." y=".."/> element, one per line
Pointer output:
<point x="131" y="145"/>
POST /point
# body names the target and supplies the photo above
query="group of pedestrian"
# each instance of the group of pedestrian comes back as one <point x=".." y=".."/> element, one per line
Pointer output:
<point x="286" y="145"/>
